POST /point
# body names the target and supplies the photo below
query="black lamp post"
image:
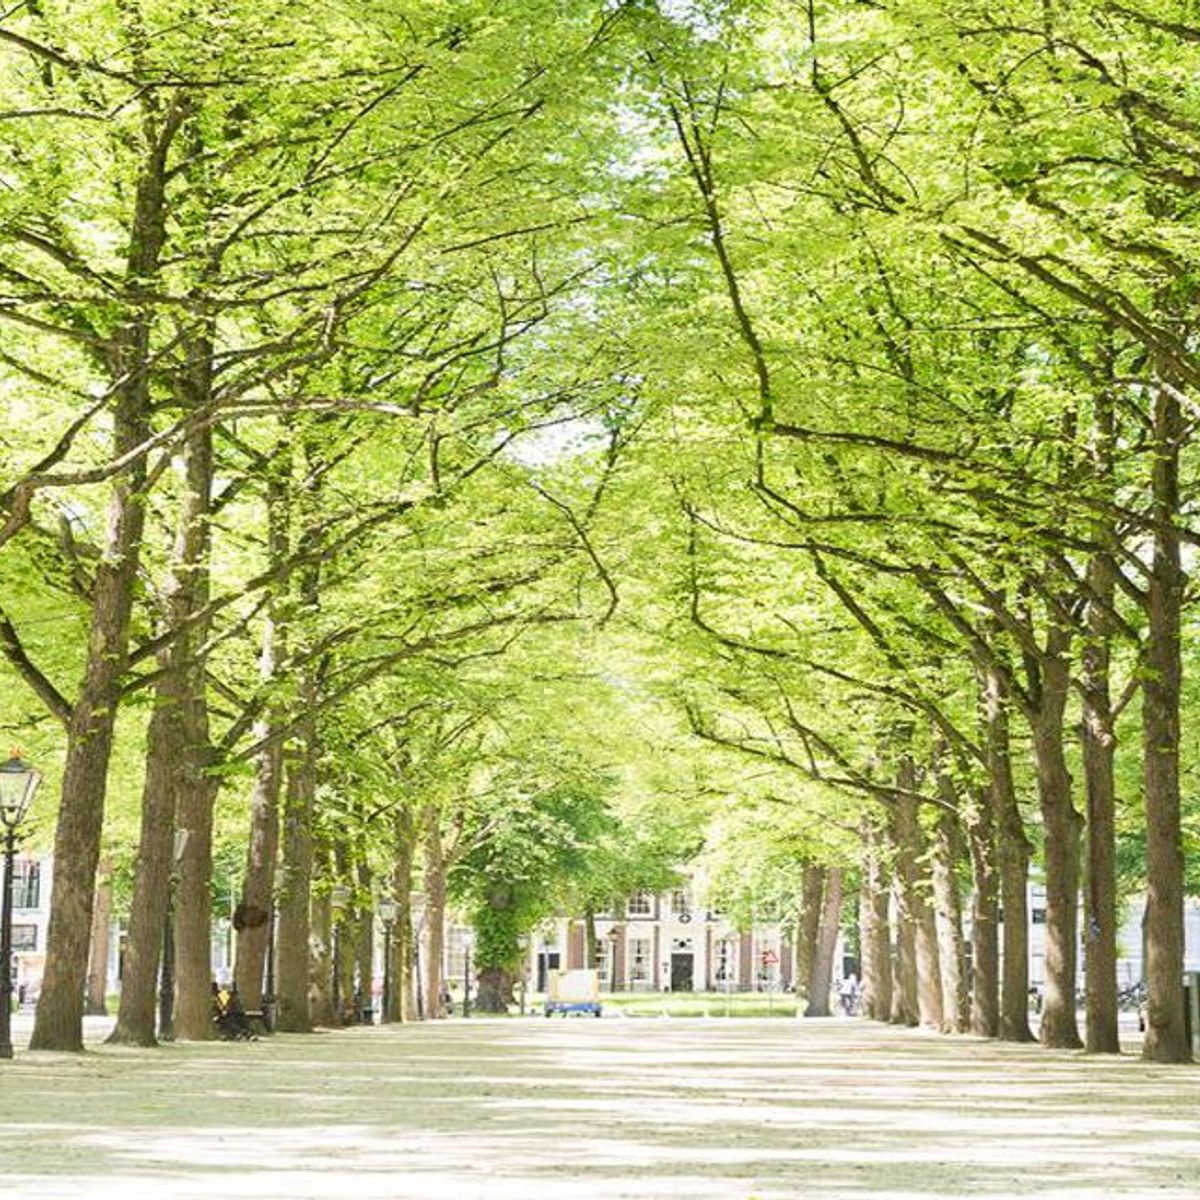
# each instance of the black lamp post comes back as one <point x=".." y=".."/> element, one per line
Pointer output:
<point x="387" y="914"/>
<point x="18" y="782"/>
<point x="614" y="936"/>
<point x="166" y="987"/>
<point x="339" y="900"/>
<point x="468" y="940"/>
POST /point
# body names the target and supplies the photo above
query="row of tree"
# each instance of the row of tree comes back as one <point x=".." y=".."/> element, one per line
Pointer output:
<point x="841" y="370"/>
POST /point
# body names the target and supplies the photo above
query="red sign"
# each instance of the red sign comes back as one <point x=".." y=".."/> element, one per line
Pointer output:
<point x="769" y="958"/>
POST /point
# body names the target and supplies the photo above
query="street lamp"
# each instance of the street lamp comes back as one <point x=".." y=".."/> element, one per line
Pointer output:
<point x="614" y="937"/>
<point x="166" y="987"/>
<point x="523" y="946"/>
<point x="18" y="782"/>
<point x="387" y="914"/>
<point x="468" y="940"/>
<point x="339" y="900"/>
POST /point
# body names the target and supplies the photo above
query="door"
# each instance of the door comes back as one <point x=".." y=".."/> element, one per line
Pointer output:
<point x="547" y="962"/>
<point x="682" y="969"/>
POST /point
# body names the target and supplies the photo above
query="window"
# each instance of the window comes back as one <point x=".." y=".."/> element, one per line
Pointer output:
<point x="24" y="937"/>
<point x="640" y="904"/>
<point x="681" y="904"/>
<point x="604" y="962"/>
<point x="724" y="974"/>
<point x="27" y="878"/>
<point x="639" y="962"/>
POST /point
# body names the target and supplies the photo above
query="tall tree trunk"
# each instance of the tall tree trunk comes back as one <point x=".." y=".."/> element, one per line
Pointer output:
<point x="812" y="889"/>
<point x="58" y="1024"/>
<point x="948" y="913"/>
<point x="255" y="913"/>
<point x="1098" y="746"/>
<point x="875" y="934"/>
<point x="1013" y="852"/>
<point x="905" y="1007"/>
<point x="137" y="1010"/>
<point x="96" y="1001"/>
<point x="590" y="944"/>
<point x="404" y="1005"/>
<point x="435" y="916"/>
<point x="295" y="879"/>
<point x="915" y="908"/>
<point x="820" y="979"/>
<point x="320" y="961"/>
<point x="196" y="785"/>
<point x="985" y="916"/>
<point x="1166" y="1039"/>
<point x="1061" y="825"/>
<point x="364" y="943"/>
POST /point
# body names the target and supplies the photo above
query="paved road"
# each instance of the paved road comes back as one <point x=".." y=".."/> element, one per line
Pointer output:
<point x="597" y="1110"/>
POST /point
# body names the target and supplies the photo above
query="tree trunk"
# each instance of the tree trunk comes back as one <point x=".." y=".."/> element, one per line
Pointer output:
<point x="58" y="1024"/>
<point x="255" y="913"/>
<point x="403" y="1005"/>
<point x="820" y="978"/>
<point x="813" y="886"/>
<point x="364" y="945"/>
<point x="138" y="1007"/>
<point x="320" y="961"/>
<point x="1166" y="1039"/>
<point x="1061" y="825"/>
<point x="1098" y="747"/>
<point x="495" y="992"/>
<point x="590" y="945"/>
<point x="875" y="935"/>
<point x="915" y="910"/>
<point x="1013" y="853"/>
<point x="96" y="1001"/>
<point x="435" y="917"/>
<point x="295" y="882"/>
<point x="948" y="915"/>
<point x="985" y="930"/>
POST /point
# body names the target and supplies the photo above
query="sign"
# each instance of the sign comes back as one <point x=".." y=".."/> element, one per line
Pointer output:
<point x="769" y="958"/>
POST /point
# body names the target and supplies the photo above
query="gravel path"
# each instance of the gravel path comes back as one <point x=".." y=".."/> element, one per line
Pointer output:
<point x="597" y="1110"/>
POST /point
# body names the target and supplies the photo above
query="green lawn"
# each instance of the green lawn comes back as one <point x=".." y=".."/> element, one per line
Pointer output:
<point x="694" y="1004"/>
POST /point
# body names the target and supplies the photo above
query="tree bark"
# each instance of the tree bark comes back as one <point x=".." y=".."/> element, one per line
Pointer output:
<point x="1166" y="1039"/>
<point x="255" y="913"/>
<point x="1013" y="852"/>
<point x="985" y="917"/>
<point x="435" y="916"/>
<point x="1061" y="825"/>
<point x="320" y="961"/>
<point x="875" y="934"/>
<point x="495" y="992"/>
<point x="96" y="1002"/>
<point x="948" y="914"/>
<point x="137" y="1010"/>
<point x="812" y="889"/>
<point x="403" y="1005"/>
<point x="1098" y="748"/>
<point x="295" y="882"/>
<point x="820" y="978"/>
<point x="915" y="910"/>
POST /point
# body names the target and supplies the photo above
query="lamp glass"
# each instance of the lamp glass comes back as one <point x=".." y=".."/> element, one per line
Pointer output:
<point x="18" y="783"/>
<point x="387" y="909"/>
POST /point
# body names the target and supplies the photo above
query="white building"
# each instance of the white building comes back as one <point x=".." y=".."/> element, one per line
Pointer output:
<point x="664" y="943"/>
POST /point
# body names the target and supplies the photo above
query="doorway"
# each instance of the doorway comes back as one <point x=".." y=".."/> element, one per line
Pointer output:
<point x="683" y="972"/>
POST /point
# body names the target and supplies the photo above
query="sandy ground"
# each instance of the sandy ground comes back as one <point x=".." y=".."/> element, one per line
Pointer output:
<point x="597" y="1110"/>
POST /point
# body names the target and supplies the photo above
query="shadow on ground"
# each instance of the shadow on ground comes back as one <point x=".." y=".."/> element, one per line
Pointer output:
<point x="587" y="1110"/>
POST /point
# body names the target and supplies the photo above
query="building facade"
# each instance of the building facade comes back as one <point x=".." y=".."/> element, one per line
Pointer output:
<point x="664" y="942"/>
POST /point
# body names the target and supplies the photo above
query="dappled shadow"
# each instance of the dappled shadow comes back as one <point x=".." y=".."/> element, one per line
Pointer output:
<point x="604" y="1110"/>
